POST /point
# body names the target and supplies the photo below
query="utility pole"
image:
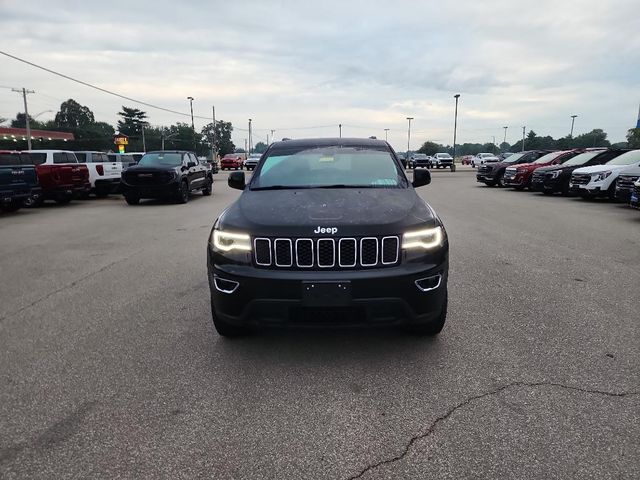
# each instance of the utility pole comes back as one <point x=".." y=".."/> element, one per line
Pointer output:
<point x="340" y="128"/>
<point x="505" y="135"/>
<point x="193" y="126"/>
<point x="493" y="148"/>
<point x="386" y="136"/>
<point x="144" y="143"/>
<point x="24" y="92"/>
<point x="573" y="119"/>
<point x="214" y="146"/>
<point x="250" y="137"/>
<point x="455" y="126"/>
<point x="245" y="147"/>
<point x="523" y="129"/>
<point x="408" y="138"/>
<point x="272" y="135"/>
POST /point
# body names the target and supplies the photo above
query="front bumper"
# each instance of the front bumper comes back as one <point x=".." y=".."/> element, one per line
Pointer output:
<point x="515" y="179"/>
<point x="382" y="297"/>
<point x="111" y="185"/>
<point x="150" y="191"/>
<point x="537" y="184"/>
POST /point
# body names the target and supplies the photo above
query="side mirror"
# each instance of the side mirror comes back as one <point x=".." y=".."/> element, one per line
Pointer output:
<point x="421" y="177"/>
<point x="191" y="164"/>
<point x="236" y="180"/>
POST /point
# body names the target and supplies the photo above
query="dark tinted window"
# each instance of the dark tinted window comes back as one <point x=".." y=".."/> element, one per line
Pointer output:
<point x="10" y="159"/>
<point x="38" y="158"/>
<point x="113" y="157"/>
<point x="100" y="157"/>
<point x="71" y="157"/>
<point x="82" y="157"/>
<point x="60" y="157"/>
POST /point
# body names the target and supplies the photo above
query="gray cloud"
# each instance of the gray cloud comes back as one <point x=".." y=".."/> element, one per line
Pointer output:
<point x="364" y="64"/>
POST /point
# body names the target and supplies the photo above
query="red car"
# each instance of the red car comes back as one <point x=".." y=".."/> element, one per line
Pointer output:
<point x="519" y="176"/>
<point x="231" y="161"/>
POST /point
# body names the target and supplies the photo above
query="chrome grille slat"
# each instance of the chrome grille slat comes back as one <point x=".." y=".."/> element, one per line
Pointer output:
<point x="326" y="253"/>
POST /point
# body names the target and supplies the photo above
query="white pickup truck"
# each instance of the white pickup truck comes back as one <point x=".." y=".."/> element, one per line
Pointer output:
<point x="600" y="180"/>
<point x="442" y="160"/>
<point x="104" y="174"/>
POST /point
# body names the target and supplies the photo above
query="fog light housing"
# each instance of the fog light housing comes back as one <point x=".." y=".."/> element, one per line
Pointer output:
<point x="225" y="286"/>
<point x="429" y="283"/>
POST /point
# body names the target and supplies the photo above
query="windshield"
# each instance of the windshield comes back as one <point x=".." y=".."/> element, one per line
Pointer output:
<point x="443" y="155"/>
<point x="626" y="158"/>
<point x="547" y="158"/>
<point x="334" y="166"/>
<point x="582" y="158"/>
<point x="161" y="159"/>
<point x="513" y="158"/>
<point x="420" y="156"/>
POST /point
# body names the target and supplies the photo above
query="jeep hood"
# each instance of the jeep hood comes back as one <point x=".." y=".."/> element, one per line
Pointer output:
<point x="353" y="211"/>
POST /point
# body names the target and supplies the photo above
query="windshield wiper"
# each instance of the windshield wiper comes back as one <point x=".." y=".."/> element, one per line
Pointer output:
<point x="280" y="187"/>
<point x="343" y="185"/>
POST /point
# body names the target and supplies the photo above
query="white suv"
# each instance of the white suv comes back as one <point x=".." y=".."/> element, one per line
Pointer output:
<point x="482" y="158"/>
<point x="600" y="180"/>
<point x="442" y="160"/>
<point x="104" y="174"/>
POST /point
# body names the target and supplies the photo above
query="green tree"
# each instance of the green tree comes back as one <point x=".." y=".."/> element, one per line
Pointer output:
<point x="73" y="115"/>
<point x="430" y="148"/>
<point x="633" y="138"/>
<point x="133" y="120"/>
<point x="223" y="131"/>
<point x="260" y="147"/>
<point x="595" y="138"/>
<point x="20" y="122"/>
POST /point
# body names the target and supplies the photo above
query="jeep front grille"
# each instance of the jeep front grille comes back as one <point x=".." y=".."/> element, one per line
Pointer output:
<point x="326" y="253"/>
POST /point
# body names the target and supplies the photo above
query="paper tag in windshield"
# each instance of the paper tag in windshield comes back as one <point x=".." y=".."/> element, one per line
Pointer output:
<point x="327" y="158"/>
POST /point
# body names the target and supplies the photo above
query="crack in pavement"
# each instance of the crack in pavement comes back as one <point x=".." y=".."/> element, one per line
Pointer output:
<point x="431" y="428"/>
<point x="65" y="287"/>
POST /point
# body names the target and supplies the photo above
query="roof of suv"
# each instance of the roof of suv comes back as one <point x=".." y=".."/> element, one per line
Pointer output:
<point x="327" y="142"/>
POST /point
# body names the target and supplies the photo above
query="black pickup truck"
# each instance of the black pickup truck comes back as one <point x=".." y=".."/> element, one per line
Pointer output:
<point x="18" y="180"/>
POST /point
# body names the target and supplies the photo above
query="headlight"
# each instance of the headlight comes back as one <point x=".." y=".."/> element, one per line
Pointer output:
<point x="227" y="241"/>
<point x="555" y="174"/>
<point x="425" y="239"/>
<point x="601" y="176"/>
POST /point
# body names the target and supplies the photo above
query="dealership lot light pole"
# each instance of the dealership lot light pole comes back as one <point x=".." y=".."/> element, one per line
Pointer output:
<point x="250" y="139"/>
<point x="193" y="126"/>
<point x="523" y="129"/>
<point x="573" y="119"/>
<point x="505" y="135"/>
<point x="386" y="134"/>
<point x="455" y="126"/>
<point x="409" y="135"/>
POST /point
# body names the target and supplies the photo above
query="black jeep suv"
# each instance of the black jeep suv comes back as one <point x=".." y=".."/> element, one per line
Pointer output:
<point x="492" y="174"/>
<point x="555" y="178"/>
<point x="165" y="174"/>
<point x="328" y="232"/>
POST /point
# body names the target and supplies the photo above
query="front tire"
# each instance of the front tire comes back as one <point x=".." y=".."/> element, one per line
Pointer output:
<point x="433" y="328"/>
<point x="501" y="180"/>
<point x="132" y="200"/>
<point x="183" y="194"/>
<point x="226" y="329"/>
<point x="12" y="206"/>
<point x="206" y="191"/>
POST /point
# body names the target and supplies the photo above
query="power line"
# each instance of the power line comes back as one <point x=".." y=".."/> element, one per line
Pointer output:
<point x="104" y="90"/>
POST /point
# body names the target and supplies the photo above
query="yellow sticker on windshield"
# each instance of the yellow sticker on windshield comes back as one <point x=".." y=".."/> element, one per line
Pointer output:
<point x="327" y="158"/>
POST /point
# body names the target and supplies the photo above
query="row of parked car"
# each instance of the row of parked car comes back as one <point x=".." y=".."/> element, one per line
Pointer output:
<point x="28" y="178"/>
<point x="422" y="160"/>
<point x="587" y="172"/>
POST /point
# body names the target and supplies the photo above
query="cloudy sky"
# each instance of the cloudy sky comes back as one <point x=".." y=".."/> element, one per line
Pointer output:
<point x="303" y="67"/>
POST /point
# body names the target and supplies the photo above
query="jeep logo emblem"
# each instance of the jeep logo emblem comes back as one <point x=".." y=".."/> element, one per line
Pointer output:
<point x="331" y="230"/>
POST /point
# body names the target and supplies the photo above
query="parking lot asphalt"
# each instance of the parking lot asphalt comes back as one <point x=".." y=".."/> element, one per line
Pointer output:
<point x="111" y="368"/>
